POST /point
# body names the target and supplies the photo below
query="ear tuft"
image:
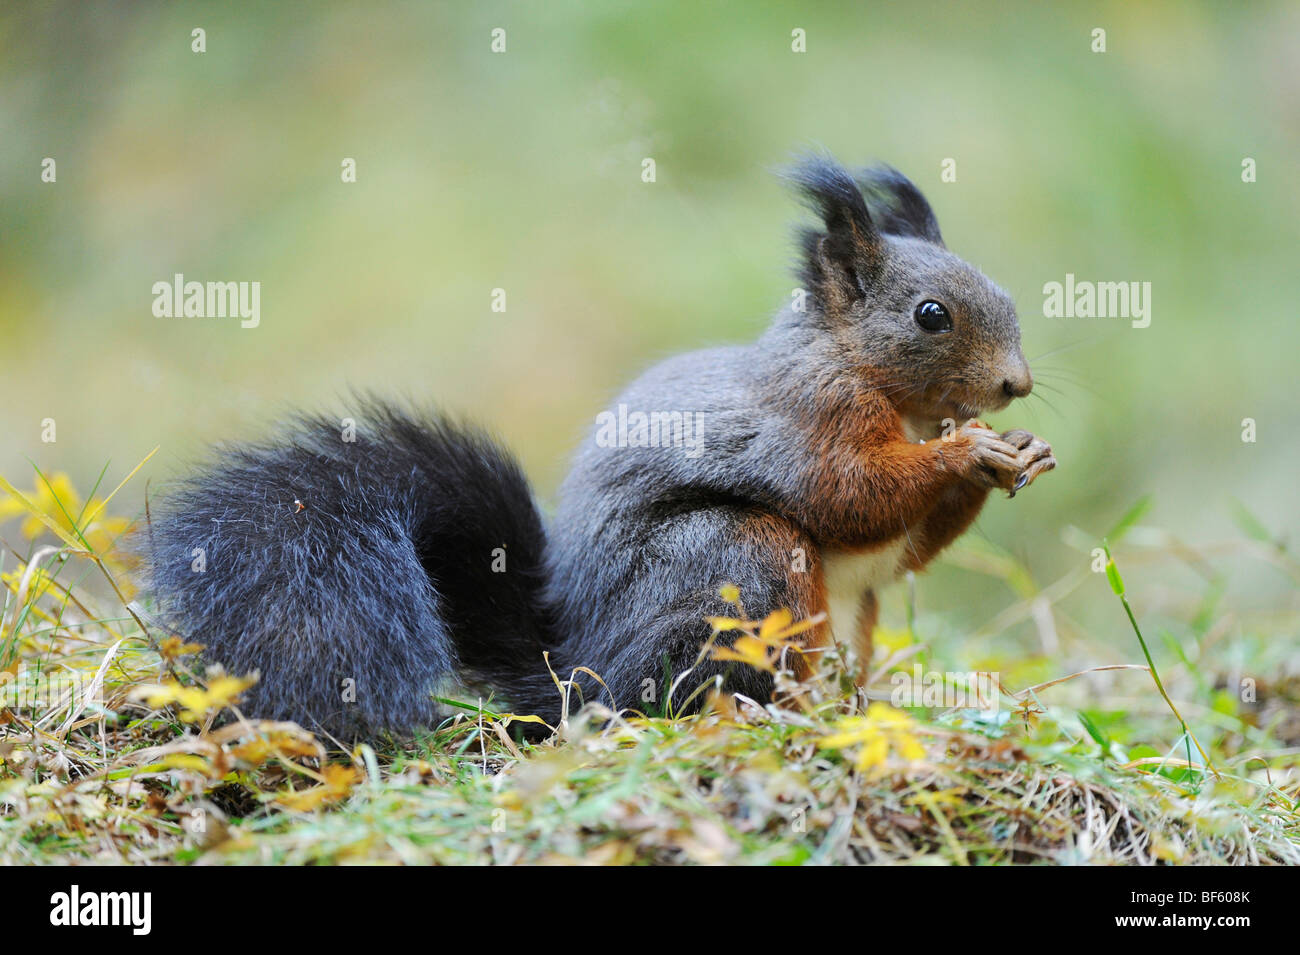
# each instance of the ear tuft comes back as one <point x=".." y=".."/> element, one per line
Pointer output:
<point x="828" y="189"/>
<point x="899" y="207"/>
<point x="840" y="262"/>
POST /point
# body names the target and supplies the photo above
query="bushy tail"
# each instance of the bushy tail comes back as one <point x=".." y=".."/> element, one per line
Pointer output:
<point x="355" y="570"/>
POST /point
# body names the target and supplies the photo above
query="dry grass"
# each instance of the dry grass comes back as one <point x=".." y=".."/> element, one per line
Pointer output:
<point x="145" y="772"/>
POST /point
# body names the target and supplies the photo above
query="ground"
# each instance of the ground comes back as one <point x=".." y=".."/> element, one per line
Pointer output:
<point x="1087" y="765"/>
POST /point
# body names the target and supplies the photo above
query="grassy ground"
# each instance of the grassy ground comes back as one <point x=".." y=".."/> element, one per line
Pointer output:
<point x="1071" y="767"/>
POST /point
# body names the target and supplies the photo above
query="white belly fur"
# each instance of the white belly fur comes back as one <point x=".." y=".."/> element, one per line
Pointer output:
<point x="849" y="575"/>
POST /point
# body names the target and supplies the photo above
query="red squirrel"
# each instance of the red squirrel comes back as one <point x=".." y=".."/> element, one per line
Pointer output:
<point x="809" y="469"/>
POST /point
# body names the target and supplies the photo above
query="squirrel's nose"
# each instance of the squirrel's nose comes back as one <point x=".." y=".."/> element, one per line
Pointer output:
<point x="1019" y="385"/>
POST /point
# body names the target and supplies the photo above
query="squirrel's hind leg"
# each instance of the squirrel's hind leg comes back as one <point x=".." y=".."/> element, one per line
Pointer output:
<point x="772" y="562"/>
<point x="868" y="613"/>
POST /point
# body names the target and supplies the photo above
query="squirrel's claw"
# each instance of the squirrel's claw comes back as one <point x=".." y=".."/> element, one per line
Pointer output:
<point x="1038" y="459"/>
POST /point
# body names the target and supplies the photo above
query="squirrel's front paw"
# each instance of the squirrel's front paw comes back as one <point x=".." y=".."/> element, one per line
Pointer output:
<point x="1035" y="457"/>
<point x="992" y="461"/>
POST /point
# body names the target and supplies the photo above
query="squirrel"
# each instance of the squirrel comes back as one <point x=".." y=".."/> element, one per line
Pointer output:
<point x="356" y="574"/>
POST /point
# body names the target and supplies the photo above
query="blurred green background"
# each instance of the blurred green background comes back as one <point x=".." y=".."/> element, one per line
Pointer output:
<point x="522" y="171"/>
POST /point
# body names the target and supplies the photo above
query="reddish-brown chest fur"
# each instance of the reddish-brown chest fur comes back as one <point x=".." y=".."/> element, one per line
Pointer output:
<point x="880" y="500"/>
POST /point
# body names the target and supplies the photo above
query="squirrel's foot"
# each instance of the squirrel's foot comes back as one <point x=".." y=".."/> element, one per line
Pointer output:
<point x="1035" y="457"/>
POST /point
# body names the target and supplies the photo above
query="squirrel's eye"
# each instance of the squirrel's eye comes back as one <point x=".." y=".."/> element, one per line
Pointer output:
<point x="933" y="317"/>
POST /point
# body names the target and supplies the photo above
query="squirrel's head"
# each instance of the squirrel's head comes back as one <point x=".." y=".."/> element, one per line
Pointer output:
<point x="941" y="339"/>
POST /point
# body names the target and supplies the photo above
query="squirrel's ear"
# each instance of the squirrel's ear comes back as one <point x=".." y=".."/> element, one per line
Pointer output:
<point x="851" y="242"/>
<point x="899" y="207"/>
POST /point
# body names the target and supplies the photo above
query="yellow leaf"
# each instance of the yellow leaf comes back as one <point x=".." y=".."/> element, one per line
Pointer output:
<point x="39" y="584"/>
<point x="723" y="624"/>
<point x="157" y="695"/>
<point x="39" y="515"/>
<point x="262" y="749"/>
<point x="774" y="623"/>
<point x="338" y="782"/>
<point x="881" y="731"/>
<point x="225" y="689"/>
<point x="873" y="753"/>
<point x="196" y="702"/>
<point x="173" y="647"/>
<point x="748" y="650"/>
<point x="782" y="636"/>
<point x="910" y="749"/>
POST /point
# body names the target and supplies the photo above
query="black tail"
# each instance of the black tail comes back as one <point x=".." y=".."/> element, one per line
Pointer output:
<point x="356" y="570"/>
